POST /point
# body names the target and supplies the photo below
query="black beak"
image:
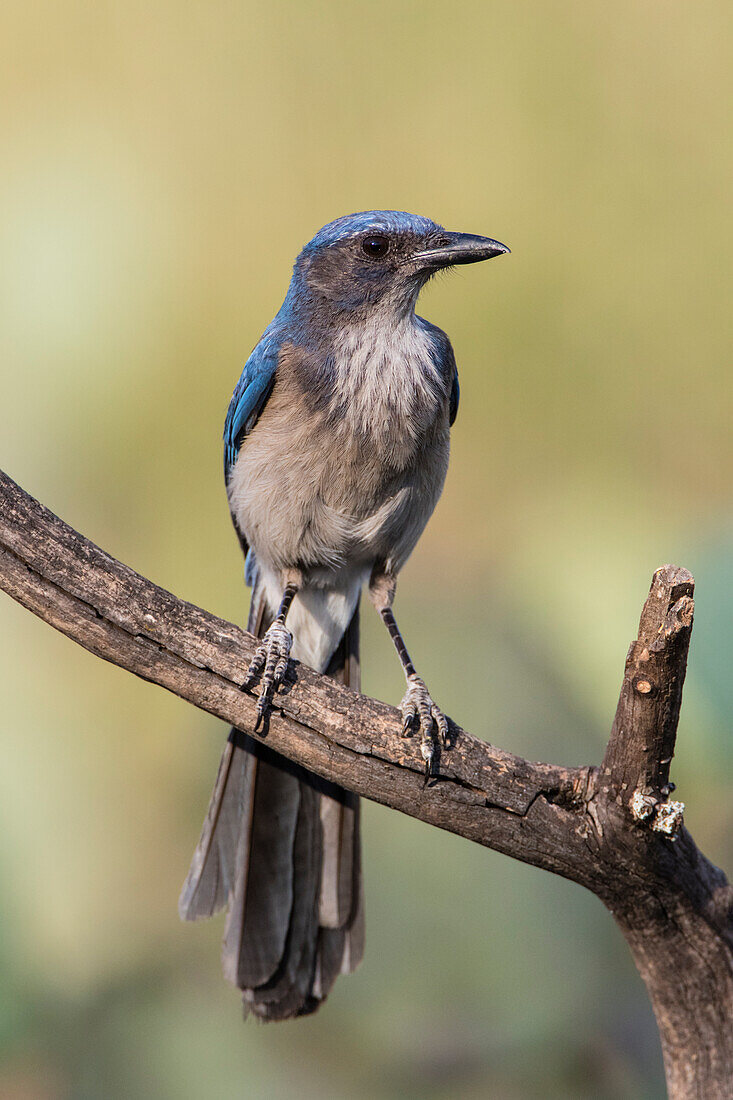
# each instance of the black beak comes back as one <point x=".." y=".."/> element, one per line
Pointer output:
<point x="449" y="249"/>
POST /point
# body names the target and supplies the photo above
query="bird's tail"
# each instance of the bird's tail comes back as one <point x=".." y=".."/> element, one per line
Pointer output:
<point x="280" y="847"/>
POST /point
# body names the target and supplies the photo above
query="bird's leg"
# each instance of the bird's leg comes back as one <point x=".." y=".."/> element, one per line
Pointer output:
<point x="417" y="706"/>
<point x="271" y="656"/>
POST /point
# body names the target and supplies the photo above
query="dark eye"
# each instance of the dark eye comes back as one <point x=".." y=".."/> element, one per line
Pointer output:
<point x="375" y="245"/>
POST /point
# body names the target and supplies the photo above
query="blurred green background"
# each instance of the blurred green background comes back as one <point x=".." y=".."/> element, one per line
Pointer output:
<point x="163" y="164"/>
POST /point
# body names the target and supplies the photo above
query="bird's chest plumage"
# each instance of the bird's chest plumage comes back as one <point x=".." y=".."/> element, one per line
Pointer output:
<point x="349" y="456"/>
<point x="386" y="390"/>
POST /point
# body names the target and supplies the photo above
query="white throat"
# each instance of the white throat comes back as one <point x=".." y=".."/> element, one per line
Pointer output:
<point x="385" y="373"/>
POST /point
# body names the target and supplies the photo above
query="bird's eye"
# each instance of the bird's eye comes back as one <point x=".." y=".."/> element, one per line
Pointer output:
<point x="375" y="245"/>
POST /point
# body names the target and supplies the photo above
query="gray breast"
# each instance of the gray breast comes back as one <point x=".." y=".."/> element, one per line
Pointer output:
<point x="349" y="457"/>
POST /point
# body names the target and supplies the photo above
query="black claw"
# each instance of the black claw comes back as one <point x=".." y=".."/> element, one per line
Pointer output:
<point x="263" y="706"/>
<point x="262" y="725"/>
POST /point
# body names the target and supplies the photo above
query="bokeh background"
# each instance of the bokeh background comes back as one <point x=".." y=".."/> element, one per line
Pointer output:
<point x="163" y="163"/>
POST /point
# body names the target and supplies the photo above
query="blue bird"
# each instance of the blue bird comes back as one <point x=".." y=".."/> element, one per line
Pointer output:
<point x="335" y="452"/>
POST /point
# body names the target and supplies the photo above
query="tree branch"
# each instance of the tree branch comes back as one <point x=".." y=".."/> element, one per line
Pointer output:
<point x="610" y="830"/>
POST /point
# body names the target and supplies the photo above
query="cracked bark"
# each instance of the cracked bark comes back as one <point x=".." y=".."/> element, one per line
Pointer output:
<point x="612" y="829"/>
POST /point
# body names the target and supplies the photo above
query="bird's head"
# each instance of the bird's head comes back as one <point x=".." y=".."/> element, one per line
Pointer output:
<point x="381" y="259"/>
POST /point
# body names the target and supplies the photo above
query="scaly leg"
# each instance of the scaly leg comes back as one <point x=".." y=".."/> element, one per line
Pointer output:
<point x="417" y="706"/>
<point x="271" y="657"/>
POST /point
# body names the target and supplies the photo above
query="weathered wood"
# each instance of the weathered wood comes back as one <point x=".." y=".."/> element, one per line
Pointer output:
<point x="673" y="906"/>
<point x="612" y="830"/>
<point x="642" y="740"/>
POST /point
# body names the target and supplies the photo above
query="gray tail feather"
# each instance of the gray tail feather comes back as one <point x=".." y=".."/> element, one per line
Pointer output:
<point x="281" y="848"/>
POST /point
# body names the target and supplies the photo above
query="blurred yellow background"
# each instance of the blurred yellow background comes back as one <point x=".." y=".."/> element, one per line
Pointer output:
<point x="163" y="164"/>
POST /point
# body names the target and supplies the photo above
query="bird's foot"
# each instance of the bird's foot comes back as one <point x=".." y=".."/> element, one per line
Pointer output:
<point x="420" y="712"/>
<point x="269" y="665"/>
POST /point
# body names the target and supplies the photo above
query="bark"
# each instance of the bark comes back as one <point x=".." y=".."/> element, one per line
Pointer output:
<point x="612" y="829"/>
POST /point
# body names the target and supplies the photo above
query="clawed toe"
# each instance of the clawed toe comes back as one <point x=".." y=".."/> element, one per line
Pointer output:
<point x="419" y="712"/>
<point x="269" y="665"/>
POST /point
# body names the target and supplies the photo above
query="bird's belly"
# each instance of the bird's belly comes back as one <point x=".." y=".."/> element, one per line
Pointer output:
<point x="331" y="504"/>
<point x="321" y="493"/>
<point x="323" y="520"/>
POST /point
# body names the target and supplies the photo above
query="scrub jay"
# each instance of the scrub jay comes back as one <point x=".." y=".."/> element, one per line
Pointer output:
<point x="335" y="452"/>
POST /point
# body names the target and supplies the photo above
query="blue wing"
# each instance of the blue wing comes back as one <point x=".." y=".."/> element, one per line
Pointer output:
<point x="455" y="397"/>
<point x="445" y="362"/>
<point x="249" y="398"/>
<point x="450" y="372"/>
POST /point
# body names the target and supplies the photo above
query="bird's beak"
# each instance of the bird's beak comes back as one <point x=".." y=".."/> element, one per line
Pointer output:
<point x="450" y="249"/>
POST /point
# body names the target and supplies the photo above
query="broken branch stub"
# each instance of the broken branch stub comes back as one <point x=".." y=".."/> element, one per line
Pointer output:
<point x="636" y="765"/>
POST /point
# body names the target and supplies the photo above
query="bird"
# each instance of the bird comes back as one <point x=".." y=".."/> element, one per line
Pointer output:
<point x="336" y="444"/>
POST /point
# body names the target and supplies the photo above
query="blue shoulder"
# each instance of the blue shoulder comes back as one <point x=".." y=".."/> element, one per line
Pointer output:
<point x="445" y="362"/>
<point x="250" y="396"/>
<point x="455" y="397"/>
